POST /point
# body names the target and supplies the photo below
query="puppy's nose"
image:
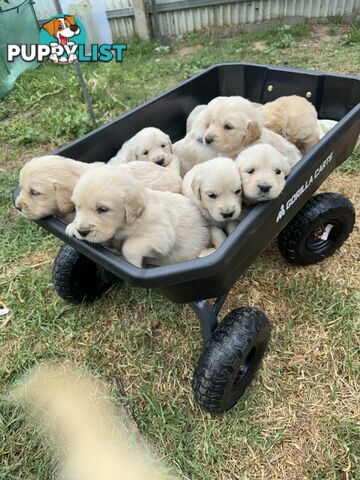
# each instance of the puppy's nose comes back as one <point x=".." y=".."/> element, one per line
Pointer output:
<point x="264" y="188"/>
<point x="160" y="162"/>
<point x="227" y="215"/>
<point x="209" y="140"/>
<point x="74" y="28"/>
<point x="84" y="232"/>
<point x="18" y="208"/>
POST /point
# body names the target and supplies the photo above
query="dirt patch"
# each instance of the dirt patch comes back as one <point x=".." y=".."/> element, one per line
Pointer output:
<point x="183" y="52"/>
<point x="320" y="33"/>
<point x="259" y="46"/>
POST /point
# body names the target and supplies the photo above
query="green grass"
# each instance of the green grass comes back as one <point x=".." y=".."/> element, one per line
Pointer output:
<point x="354" y="35"/>
<point x="298" y="418"/>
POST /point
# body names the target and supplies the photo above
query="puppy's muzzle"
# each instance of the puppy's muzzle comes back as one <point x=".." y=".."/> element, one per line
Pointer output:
<point x="83" y="233"/>
<point x="160" y="162"/>
<point x="227" y="215"/>
<point x="209" y="140"/>
<point x="264" y="188"/>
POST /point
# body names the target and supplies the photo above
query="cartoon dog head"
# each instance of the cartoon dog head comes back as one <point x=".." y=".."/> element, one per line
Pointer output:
<point x="62" y="28"/>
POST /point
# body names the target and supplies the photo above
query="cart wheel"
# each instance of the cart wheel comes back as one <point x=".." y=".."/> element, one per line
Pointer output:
<point x="230" y="359"/>
<point x="318" y="230"/>
<point x="76" y="278"/>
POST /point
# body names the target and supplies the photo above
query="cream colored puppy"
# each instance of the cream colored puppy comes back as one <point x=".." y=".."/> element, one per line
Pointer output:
<point x="158" y="227"/>
<point x="295" y="118"/>
<point x="149" y="145"/>
<point x="263" y="171"/>
<point x="47" y="184"/>
<point x="215" y="187"/>
<point x="233" y="123"/>
<point x="191" y="150"/>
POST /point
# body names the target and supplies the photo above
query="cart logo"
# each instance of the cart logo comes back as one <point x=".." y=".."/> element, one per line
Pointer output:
<point x="62" y="40"/>
<point x="303" y="188"/>
<point x="281" y="213"/>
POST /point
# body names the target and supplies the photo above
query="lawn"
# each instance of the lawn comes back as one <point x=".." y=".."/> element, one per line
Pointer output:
<point x="300" y="417"/>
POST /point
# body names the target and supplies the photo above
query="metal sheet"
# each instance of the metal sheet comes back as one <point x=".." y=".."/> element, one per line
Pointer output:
<point x="186" y="16"/>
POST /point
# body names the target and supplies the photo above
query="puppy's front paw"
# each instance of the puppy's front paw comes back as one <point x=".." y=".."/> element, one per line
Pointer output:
<point x="218" y="237"/>
<point x="70" y="230"/>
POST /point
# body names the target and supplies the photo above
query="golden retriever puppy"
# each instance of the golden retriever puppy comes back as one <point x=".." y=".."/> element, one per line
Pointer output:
<point x="92" y="438"/>
<point x="46" y="185"/>
<point x="215" y="187"/>
<point x="263" y="171"/>
<point x="295" y="118"/>
<point x="233" y="123"/>
<point x="158" y="227"/>
<point x="149" y="145"/>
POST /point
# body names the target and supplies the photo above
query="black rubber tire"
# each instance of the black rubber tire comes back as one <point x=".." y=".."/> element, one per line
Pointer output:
<point x="231" y="359"/>
<point x="300" y="241"/>
<point x="77" y="279"/>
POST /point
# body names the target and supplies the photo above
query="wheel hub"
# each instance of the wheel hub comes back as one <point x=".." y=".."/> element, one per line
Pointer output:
<point x="322" y="236"/>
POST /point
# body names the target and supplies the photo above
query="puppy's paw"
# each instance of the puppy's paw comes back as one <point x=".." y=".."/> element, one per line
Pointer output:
<point x="218" y="237"/>
<point x="70" y="230"/>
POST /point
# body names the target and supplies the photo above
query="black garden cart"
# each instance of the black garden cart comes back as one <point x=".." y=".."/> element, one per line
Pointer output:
<point x="309" y="228"/>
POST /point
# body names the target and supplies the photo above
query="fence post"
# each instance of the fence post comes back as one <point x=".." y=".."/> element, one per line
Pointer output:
<point x="142" y="24"/>
<point x="155" y="17"/>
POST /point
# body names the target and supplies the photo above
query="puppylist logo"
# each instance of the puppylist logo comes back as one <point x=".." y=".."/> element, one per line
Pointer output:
<point x="62" y="40"/>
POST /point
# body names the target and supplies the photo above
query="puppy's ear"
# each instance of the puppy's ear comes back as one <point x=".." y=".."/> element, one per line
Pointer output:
<point x="50" y="27"/>
<point x="131" y="154"/>
<point x="196" y="187"/>
<point x="134" y="207"/>
<point x="286" y="167"/>
<point x="253" y="133"/>
<point x="238" y="164"/>
<point x="63" y="199"/>
<point x="70" y="19"/>
<point x="170" y="144"/>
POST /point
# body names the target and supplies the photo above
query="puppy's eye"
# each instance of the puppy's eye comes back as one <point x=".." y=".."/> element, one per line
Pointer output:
<point x="251" y="171"/>
<point x="60" y="27"/>
<point x="102" y="210"/>
<point x="145" y="152"/>
<point x="238" y="192"/>
<point x="34" y="193"/>
<point x="212" y="195"/>
<point x="228" y="127"/>
<point x="278" y="171"/>
<point x="163" y="145"/>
